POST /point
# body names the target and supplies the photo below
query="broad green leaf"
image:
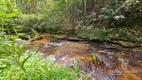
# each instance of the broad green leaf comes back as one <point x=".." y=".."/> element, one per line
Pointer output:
<point x="20" y="50"/>
<point x="35" y="33"/>
<point x="94" y="56"/>
<point x="1" y="14"/>
<point x="12" y="46"/>
<point x="60" y="12"/>
<point x="59" y="4"/>
<point x="10" y="15"/>
<point x="45" y="68"/>
<point x="23" y="62"/>
<point x="18" y="27"/>
<point x="13" y="61"/>
<point x="3" y="29"/>
<point x="15" y="30"/>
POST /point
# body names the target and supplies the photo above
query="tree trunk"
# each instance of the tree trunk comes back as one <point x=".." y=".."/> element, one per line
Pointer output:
<point x="36" y="7"/>
<point x="84" y="8"/>
<point x="68" y="12"/>
<point x="116" y="3"/>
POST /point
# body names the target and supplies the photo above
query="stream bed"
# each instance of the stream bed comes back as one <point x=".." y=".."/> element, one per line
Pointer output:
<point x="101" y="61"/>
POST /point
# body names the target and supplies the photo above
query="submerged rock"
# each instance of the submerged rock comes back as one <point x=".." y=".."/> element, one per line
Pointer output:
<point x="109" y="64"/>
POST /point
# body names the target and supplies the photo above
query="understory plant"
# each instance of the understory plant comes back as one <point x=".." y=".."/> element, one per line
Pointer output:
<point x="37" y="68"/>
<point x="17" y="64"/>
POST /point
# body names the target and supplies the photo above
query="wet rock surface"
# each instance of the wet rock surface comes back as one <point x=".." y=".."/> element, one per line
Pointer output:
<point x="110" y="63"/>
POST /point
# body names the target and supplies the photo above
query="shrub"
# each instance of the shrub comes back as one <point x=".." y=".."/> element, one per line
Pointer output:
<point x="15" y="64"/>
<point x="37" y="68"/>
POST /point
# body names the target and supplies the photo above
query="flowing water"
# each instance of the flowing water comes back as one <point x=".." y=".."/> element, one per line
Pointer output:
<point x="107" y="63"/>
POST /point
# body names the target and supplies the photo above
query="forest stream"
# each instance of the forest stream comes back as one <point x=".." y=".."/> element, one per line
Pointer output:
<point x="101" y="61"/>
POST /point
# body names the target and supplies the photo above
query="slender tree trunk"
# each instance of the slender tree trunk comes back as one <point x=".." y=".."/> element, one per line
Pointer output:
<point x="19" y="3"/>
<point x="93" y="4"/>
<point x="36" y="7"/>
<point x="15" y="4"/>
<point x="68" y="12"/>
<point x="84" y="8"/>
<point x="45" y="3"/>
<point x="116" y="3"/>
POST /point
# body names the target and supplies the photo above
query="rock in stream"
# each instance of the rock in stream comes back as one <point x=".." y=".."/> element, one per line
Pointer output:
<point x="109" y="65"/>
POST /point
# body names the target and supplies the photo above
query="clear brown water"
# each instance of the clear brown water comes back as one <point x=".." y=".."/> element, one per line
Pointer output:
<point x="111" y="63"/>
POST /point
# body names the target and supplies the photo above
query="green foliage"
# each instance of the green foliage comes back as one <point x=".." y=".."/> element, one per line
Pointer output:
<point x="38" y="69"/>
<point x="8" y="14"/>
<point x="17" y="64"/>
<point x="111" y="15"/>
<point x="137" y="4"/>
<point x="124" y="35"/>
<point x="4" y="42"/>
<point x="58" y="16"/>
<point x="52" y="21"/>
<point x="55" y="23"/>
<point x="94" y="56"/>
<point x="93" y="33"/>
<point x="13" y="52"/>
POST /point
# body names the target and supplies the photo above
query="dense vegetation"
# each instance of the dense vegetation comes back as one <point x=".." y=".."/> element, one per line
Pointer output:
<point x="92" y="19"/>
<point x="103" y="20"/>
<point x="18" y="64"/>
